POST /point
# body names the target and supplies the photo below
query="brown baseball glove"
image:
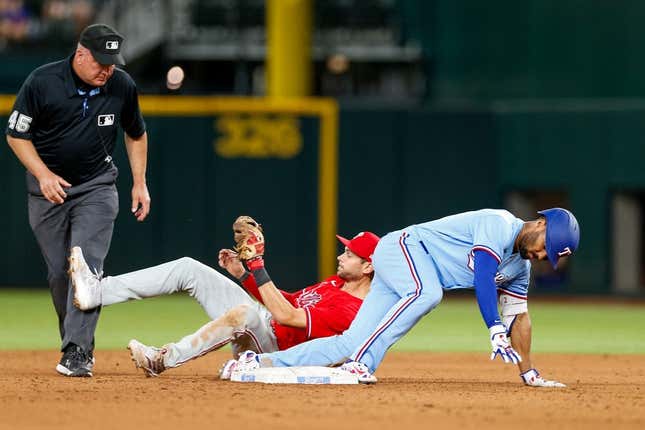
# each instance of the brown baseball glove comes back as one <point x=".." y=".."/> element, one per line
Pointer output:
<point x="249" y="239"/>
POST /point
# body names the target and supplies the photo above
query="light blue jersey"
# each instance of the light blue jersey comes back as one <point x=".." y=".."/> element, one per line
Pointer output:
<point x="412" y="268"/>
<point x="451" y="242"/>
<point x="514" y="275"/>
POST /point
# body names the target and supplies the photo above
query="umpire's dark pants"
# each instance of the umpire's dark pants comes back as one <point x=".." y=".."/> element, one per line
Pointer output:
<point x="85" y="219"/>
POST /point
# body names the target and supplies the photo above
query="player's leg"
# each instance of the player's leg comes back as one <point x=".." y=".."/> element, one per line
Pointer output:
<point x="248" y="325"/>
<point x="258" y="333"/>
<point x="406" y="268"/>
<point x="241" y="322"/>
<point x="382" y="300"/>
<point x="214" y="291"/>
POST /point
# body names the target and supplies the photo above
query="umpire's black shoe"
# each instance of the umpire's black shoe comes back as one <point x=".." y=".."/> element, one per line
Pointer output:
<point x="75" y="362"/>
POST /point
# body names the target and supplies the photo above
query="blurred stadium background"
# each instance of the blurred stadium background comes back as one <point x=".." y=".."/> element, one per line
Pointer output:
<point x="325" y="116"/>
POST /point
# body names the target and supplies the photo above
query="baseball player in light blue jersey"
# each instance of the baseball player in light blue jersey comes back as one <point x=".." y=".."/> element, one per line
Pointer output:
<point x="488" y="250"/>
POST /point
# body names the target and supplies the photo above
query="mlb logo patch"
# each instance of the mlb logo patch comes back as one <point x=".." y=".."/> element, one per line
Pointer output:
<point x="112" y="44"/>
<point x="105" y="120"/>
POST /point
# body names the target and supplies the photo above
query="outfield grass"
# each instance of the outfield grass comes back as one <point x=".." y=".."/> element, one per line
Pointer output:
<point x="28" y="321"/>
<point x="456" y="325"/>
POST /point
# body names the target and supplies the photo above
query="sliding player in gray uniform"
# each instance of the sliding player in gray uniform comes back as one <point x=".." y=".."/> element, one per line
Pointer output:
<point x="277" y="320"/>
<point x="485" y="250"/>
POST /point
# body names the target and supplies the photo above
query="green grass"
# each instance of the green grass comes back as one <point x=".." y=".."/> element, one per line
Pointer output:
<point x="456" y="325"/>
<point x="28" y="321"/>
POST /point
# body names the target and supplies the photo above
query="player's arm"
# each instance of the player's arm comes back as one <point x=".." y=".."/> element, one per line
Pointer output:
<point x="136" y="144"/>
<point x="264" y="291"/>
<point x="515" y="310"/>
<point x="137" y="149"/>
<point x="24" y="115"/>
<point x="51" y="185"/>
<point x="486" y="292"/>
<point x="229" y="260"/>
<point x="513" y="305"/>
<point x="521" y="336"/>
<point x="249" y="244"/>
<point x="283" y="311"/>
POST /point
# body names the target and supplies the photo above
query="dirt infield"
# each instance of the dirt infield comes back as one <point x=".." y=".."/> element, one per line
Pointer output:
<point x="427" y="390"/>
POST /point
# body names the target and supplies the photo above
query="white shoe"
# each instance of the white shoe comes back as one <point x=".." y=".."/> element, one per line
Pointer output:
<point x="360" y="370"/>
<point x="148" y="358"/>
<point x="87" y="285"/>
<point x="248" y="360"/>
<point x="227" y="369"/>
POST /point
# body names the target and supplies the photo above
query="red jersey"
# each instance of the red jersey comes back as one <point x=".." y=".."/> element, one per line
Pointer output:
<point x="329" y="311"/>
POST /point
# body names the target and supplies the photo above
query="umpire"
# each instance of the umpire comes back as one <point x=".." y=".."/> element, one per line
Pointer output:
<point x="63" y="128"/>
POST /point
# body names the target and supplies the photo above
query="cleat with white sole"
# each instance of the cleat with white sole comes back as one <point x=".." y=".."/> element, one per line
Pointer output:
<point x="360" y="370"/>
<point x="148" y="358"/>
<point x="85" y="283"/>
<point x="248" y="360"/>
<point x="227" y="369"/>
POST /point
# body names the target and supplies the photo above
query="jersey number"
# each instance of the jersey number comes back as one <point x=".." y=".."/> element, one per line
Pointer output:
<point x="20" y="122"/>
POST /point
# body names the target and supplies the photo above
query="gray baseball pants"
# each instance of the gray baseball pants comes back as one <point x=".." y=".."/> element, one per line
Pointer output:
<point x="236" y="317"/>
<point x="85" y="219"/>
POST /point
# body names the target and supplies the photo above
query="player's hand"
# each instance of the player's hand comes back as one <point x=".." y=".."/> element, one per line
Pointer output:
<point x="229" y="260"/>
<point x="501" y="345"/>
<point x="248" y="237"/>
<point x="51" y="185"/>
<point x="140" y="201"/>
<point x="532" y="378"/>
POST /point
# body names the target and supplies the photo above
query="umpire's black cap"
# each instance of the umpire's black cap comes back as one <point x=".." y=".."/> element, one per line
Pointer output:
<point x="104" y="43"/>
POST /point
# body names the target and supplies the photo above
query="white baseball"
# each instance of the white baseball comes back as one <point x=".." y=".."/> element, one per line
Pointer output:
<point x="174" y="77"/>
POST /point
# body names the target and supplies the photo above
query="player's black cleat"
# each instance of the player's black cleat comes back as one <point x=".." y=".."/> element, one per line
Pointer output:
<point x="75" y="362"/>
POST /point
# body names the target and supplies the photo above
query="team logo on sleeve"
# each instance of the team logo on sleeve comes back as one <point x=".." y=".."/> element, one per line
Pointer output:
<point x="500" y="278"/>
<point x="308" y="298"/>
<point x="105" y="120"/>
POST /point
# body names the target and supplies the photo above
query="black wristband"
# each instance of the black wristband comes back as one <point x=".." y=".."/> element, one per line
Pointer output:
<point x="244" y="276"/>
<point x="261" y="276"/>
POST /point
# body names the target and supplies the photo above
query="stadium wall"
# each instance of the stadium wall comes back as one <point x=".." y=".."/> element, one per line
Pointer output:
<point x="395" y="167"/>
